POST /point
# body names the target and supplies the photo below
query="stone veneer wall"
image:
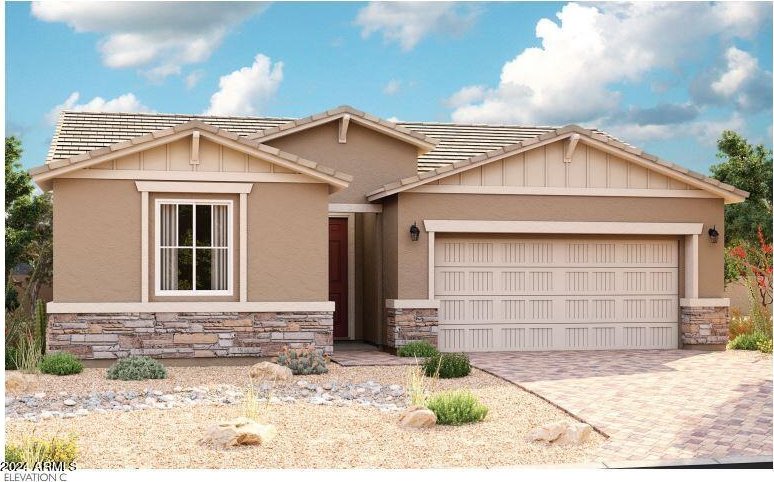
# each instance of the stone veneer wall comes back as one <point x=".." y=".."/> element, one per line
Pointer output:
<point x="411" y="324"/>
<point x="704" y="325"/>
<point x="185" y="335"/>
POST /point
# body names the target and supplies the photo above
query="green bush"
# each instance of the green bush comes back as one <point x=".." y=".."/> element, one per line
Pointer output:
<point x="32" y="450"/>
<point x="447" y="365"/>
<point x="10" y="358"/>
<point x="419" y="349"/>
<point x="457" y="408"/>
<point x="747" y="341"/>
<point x="136" y="368"/>
<point x="303" y="362"/>
<point x="764" y="346"/>
<point x="61" y="363"/>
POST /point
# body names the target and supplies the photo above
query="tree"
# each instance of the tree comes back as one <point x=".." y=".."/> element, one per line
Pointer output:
<point x="748" y="168"/>
<point x="28" y="223"/>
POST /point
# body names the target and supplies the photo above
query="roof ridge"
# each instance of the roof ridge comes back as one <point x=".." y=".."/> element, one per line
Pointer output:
<point x="456" y="124"/>
<point x="169" y="114"/>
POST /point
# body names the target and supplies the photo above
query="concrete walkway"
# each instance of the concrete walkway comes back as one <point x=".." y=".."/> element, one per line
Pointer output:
<point x="654" y="405"/>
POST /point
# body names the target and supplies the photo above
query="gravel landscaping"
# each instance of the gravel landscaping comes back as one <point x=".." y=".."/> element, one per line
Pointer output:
<point x="345" y="418"/>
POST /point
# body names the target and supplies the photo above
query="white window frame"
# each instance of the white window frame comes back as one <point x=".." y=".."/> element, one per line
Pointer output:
<point x="157" y="248"/>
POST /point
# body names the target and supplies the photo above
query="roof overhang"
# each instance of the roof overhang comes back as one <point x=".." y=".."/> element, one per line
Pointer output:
<point x="421" y="141"/>
<point x="577" y="134"/>
<point x="44" y="175"/>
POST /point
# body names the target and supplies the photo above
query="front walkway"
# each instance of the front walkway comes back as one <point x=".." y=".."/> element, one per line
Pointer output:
<point x="654" y="405"/>
<point x="354" y="354"/>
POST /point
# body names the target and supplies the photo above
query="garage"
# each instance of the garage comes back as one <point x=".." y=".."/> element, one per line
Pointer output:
<point x="532" y="292"/>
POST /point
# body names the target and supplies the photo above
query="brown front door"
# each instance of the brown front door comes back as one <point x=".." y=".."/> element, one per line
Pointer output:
<point x="337" y="274"/>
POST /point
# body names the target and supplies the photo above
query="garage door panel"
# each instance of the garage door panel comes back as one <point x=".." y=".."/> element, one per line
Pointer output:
<point x="555" y="280"/>
<point x="553" y="252"/>
<point x="554" y="294"/>
<point x="536" y="337"/>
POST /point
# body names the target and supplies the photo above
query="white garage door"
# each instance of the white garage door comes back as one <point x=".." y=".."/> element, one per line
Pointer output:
<point x="513" y="294"/>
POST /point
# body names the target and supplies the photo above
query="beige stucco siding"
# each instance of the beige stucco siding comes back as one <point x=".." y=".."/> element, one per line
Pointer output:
<point x="287" y="232"/>
<point x="411" y="257"/>
<point x="373" y="159"/>
<point x="97" y="244"/>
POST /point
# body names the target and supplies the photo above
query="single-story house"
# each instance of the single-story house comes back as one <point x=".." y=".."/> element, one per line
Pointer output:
<point x="205" y="236"/>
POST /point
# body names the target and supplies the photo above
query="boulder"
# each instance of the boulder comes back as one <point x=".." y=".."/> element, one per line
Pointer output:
<point x="239" y="431"/>
<point x="270" y="371"/>
<point x="417" y="417"/>
<point x="17" y="382"/>
<point x="547" y="433"/>
<point x="575" y="434"/>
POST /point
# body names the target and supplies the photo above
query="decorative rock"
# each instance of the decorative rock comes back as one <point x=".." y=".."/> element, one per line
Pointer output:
<point x="40" y="395"/>
<point x="178" y="389"/>
<point x="45" y="415"/>
<point x="81" y="412"/>
<point x="68" y="415"/>
<point x="16" y="382"/>
<point x="70" y="402"/>
<point x="328" y="386"/>
<point x="417" y="417"/>
<point x="270" y="371"/>
<point x="157" y="393"/>
<point x="302" y="383"/>
<point x="547" y="433"/>
<point x="150" y="401"/>
<point x="239" y="431"/>
<point x="9" y="401"/>
<point x="64" y="394"/>
<point x="167" y="398"/>
<point x="575" y="434"/>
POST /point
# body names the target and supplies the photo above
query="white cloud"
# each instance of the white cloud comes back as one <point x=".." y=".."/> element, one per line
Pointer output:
<point x="741" y="67"/>
<point x="392" y="87"/>
<point x="122" y="103"/>
<point x="572" y="76"/>
<point x="156" y="37"/>
<point x="247" y="90"/>
<point x="192" y="79"/>
<point x="393" y="119"/>
<point x="409" y="22"/>
<point x="706" y="132"/>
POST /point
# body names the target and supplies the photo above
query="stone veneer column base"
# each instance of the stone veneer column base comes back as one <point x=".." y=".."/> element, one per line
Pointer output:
<point x="188" y="335"/>
<point x="411" y="324"/>
<point x="704" y="326"/>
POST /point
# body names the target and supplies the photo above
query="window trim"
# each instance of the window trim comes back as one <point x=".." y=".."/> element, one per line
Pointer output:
<point x="157" y="248"/>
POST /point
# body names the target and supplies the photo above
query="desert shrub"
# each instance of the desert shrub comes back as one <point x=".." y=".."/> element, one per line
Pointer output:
<point x="32" y="450"/>
<point x="419" y="349"/>
<point x="417" y="388"/>
<point x="447" y="365"/>
<point x="739" y="324"/>
<point x="10" y="358"/>
<point x="747" y="341"/>
<point x="28" y="352"/>
<point x="136" y="368"/>
<point x="303" y="362"/>
<point x="61" y="363"/>
<point x="764" y="346"/>
<point x="457" y="407"/>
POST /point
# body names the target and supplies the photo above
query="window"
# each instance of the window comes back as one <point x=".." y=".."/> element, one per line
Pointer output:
<point x="193" y="247"/>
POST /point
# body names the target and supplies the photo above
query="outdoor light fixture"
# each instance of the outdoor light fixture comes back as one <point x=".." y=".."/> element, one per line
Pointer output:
<point x="414" y="231"/>
<point x="713" y="235"/>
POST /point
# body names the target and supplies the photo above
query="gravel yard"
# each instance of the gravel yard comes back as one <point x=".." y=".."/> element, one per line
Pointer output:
<point x="309" y="435"/>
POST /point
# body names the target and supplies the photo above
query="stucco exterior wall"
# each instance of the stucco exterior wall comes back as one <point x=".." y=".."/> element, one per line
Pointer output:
<point x="411" y="257"/>
<point x="372" y="274"/>
<point x="97" y="246"/>
<point x="287" y="237"/>
<point x="373" y="159"/>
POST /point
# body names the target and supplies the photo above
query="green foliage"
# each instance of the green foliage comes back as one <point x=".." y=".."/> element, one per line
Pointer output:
<point x="28" y="353"/>
<point x="748" y="168"/>
<point x="764" y="346"/>
<point x="11" y="297"/>
<point x="10" y="358"/>
<point x="457" y="407"/>
<point x="41" y="323"/>
<point x="747" y="341"/>
<point x="61" y="363"/>
<point x="28" y="222"/>
<point x="419" y="349"/>
<point x="32" y="450"/>
<point x="303" y="362"/>
<point x="136" y="368"/>
<point x="447" y="365"/>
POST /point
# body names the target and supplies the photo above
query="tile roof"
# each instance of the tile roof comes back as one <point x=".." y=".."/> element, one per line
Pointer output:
<point x="454" y="144"/>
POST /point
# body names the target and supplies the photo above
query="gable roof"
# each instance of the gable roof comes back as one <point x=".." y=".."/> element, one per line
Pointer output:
<point x="423" y="142"/>
<point x="42" y="175"/>
<point x="594" y="138"/>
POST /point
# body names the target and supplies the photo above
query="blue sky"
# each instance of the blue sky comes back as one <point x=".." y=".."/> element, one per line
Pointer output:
<point x="665" y="77"/>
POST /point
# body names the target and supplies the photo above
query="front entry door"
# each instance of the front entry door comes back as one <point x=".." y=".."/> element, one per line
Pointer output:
<point x="337" y="274"/>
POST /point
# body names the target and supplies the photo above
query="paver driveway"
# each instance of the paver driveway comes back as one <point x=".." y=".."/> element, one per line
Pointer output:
<point x="670" y="404"/>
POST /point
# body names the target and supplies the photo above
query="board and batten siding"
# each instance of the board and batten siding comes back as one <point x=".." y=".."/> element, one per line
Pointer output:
<point x="545" y="166"/>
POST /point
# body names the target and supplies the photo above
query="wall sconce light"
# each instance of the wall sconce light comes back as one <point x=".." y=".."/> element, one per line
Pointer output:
<point x="713" y="235"/>
<point x="414" y="232"/>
